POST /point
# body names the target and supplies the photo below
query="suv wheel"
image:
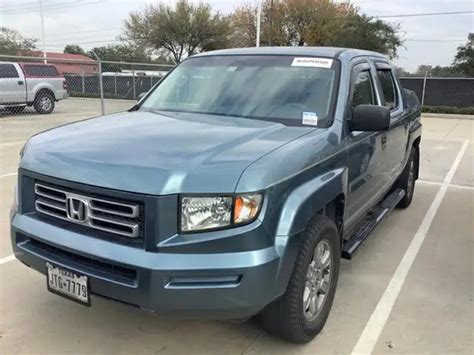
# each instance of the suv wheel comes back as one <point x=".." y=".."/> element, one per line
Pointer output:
<point x="300" y="314"/>
<point x="44" y="103"/>
<point x="407" y="179"/>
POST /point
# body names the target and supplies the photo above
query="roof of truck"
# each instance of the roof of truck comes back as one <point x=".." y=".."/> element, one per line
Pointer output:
<point x="332" y="52"/>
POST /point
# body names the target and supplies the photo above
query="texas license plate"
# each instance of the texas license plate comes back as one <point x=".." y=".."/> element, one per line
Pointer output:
<point x="68" y="284"/>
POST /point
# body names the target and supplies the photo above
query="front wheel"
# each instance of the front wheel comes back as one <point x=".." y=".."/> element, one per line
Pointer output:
<point x="44" y="103"/>
<point x="300" y="314"/>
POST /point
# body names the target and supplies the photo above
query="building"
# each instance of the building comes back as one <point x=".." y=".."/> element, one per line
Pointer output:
<point x="64" y="62"/>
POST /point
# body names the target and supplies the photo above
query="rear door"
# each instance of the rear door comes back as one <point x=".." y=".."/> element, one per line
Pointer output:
<point x="367" y="170"/>
<point x="397" y="135"/>
<point x="12" y="84"/>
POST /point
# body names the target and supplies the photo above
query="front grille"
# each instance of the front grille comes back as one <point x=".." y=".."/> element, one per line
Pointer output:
<point x="112" y="217"/>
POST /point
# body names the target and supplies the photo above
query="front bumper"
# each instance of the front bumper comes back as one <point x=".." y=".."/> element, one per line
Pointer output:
<point x="217" y="286"/>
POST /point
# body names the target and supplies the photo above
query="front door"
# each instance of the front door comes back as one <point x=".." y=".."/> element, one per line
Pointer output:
<point x="366" y="150"/>
<point x="12" y="87"/>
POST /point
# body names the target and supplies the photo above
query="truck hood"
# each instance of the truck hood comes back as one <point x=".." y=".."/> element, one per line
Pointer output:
<point x="157" y="154"/>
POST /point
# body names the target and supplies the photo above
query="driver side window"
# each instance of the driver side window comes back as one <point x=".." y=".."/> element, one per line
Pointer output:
<point x="363" y="90"/>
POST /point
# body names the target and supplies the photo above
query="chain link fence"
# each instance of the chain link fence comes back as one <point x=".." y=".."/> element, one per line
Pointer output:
<point x="80" y="89"/>
<point x="89" y="88"/>
<point x="450" y="92"/>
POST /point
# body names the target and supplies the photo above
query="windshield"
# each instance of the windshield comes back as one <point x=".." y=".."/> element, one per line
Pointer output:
<point x="282" y="88"/>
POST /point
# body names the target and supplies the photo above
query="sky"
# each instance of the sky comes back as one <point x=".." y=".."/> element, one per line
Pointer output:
<point x="429" y="40"/>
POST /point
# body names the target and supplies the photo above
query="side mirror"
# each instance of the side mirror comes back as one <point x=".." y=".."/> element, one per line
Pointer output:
<point x="141" y="95"/>
<point x="370" y="118"/>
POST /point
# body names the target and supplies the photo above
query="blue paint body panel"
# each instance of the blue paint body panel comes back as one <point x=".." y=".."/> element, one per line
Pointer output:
<point x="154" y="158"/>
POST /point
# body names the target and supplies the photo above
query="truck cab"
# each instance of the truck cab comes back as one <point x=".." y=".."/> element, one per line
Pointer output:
<point x="232" y="188"/>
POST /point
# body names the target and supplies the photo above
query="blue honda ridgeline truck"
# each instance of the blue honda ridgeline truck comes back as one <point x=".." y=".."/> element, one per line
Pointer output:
<point x="232" y="189"/>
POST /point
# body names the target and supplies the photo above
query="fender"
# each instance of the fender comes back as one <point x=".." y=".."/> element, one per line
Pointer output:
<point x="301" y="205"/>
<point x="309" y="198"/>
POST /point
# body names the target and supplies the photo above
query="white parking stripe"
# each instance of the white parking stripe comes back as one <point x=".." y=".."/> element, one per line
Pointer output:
<point x="376" y="323"/>
<point x="6" y="175"/>
<point x="456" y="186"/>
<point x="7" y="259"/>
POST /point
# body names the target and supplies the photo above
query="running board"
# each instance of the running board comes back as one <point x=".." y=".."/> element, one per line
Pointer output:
<point x="374" y="218"/>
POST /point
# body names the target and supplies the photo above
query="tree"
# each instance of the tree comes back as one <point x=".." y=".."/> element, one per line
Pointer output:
<point x="314" y="23"/>
<point x="179" y="31"/>
<point x="12" y="42"/>
<point x="464" y="60"/>
<point x="124" y="52"/>
<point x="74" y="49"/>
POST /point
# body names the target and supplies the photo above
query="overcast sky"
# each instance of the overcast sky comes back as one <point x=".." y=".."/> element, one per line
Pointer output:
<point x="429" y="40"/>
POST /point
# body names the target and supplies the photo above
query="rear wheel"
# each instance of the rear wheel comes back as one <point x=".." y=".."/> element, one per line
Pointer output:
<point x="300" y="314"/>
<point x="407" y="179"/>
<point x="44" y="103"/>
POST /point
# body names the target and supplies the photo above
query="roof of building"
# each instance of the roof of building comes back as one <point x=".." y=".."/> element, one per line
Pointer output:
<point x="59" y="55"/>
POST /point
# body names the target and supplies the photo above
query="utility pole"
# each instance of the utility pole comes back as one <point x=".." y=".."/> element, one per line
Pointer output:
<point x="43" y="39"/>
<point x="259" y="14"/>
<point x="270" y="34"/>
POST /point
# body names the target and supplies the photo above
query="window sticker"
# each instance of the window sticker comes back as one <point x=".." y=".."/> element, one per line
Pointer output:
<point x="310" y="118"/>
<point x="312" y="62"/>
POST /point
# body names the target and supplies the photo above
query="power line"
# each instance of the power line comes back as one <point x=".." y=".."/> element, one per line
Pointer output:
<point x="427" y="14"/>
<point x="52" y="7"/>
<point x="435" y="40"/>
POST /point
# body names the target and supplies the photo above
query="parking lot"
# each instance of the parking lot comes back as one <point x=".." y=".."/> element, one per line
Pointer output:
<point x="410" y="289"/>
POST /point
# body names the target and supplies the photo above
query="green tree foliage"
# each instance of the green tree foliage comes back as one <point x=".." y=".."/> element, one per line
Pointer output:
<point x="464" y="60"/>
<point x="180" y="30"/>
<point x="12" y="42"/>
<point x="74" y="49"/>
<point x="314" y="23"/>
<point x="125" y="52"/>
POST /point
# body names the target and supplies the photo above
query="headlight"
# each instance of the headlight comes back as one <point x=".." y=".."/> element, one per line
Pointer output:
<point x="206" y="213"/>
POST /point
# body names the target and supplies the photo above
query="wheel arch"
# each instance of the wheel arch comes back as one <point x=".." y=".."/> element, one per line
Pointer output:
<point x="45" y="90"/>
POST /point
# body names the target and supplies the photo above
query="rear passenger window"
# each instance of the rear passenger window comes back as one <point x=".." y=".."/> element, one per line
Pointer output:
<point x="363" y="90"/>
<point x="388" y="87"/>
<point x="8" y="71"/>
<point x="40" y="70"/>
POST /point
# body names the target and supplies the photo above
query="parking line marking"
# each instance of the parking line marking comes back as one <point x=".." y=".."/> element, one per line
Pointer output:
<point x="370" y="335"/>
<point x="6" y="175"/>
<point x="456" y="186"/>
<point x="7" y="259"/>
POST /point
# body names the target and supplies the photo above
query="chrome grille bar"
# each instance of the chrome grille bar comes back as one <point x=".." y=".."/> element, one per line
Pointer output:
<point x="106" y="215"/>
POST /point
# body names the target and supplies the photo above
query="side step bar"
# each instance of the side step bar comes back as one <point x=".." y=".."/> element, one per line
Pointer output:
<point x="374" y="218"/>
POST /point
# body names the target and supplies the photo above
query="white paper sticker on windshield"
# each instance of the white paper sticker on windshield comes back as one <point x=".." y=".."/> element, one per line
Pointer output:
<point x="310" y="118"/>
<point x="312" y="62"/>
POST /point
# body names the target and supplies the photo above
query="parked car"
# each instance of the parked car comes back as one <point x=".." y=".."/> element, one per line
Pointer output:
<point x="31" y="84"/>
<point x="231" y="189"/>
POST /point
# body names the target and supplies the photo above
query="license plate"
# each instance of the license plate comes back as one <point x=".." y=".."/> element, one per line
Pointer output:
<point x="68" y="284"/>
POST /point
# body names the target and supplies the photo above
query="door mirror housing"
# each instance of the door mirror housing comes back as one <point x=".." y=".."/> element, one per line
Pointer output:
<point x="141" y="95"/>
<point x="370" y="118"/>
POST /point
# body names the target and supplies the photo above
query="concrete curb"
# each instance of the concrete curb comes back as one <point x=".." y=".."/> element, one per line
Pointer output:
<point x="447" y="116"/>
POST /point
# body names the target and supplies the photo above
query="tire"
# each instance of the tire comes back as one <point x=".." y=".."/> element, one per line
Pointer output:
<point x="290" y="317"/>
<point x="15" y="109"/>
<point x="407" y="179"/>
<point x="44" y="103"/>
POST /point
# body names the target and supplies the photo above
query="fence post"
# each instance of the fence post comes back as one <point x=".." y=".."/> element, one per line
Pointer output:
<point x="134" y="88"/>
<point x="101" y="85"/>
<point x="115" y="84"/>
<point x="424" y="90"/>
<point x="83" y="80"/>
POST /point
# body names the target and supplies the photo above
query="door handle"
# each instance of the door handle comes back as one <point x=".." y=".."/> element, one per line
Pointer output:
<point x="20" y="82"/>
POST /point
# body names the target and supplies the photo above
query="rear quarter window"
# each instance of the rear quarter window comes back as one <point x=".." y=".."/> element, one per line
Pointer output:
<point x="42" y="71"/>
